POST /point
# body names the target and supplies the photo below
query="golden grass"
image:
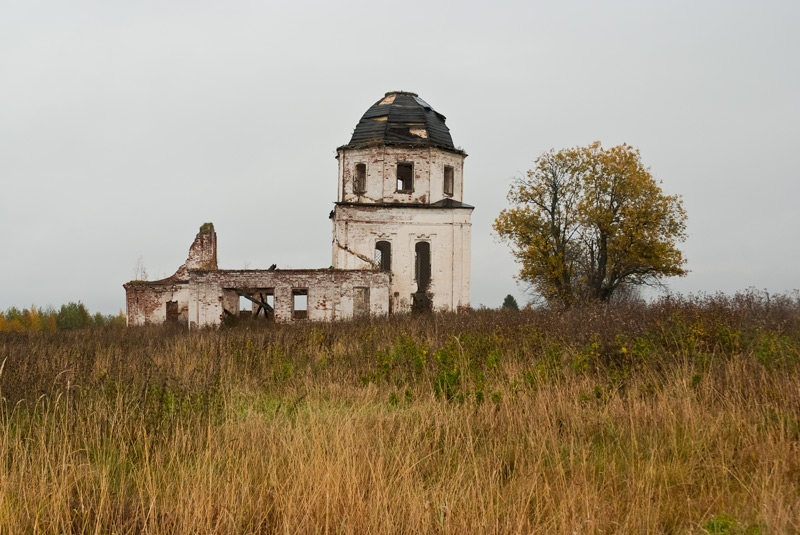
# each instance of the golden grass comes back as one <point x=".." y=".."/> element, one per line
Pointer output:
<point x="484" y="423"/>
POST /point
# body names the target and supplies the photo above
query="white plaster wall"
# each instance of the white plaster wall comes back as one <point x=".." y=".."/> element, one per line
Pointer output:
<point x="439" y="159"/>
<point x="147" y="302"/>
<point x="330" y="292"/>
<point x="381" y="165"/>
<point x="357" y="228"/>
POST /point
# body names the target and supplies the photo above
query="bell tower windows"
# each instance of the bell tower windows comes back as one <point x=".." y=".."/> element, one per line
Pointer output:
<point x="448" y="180"/>
<point x="360" y="179"/>
<point x="405" y="177"/>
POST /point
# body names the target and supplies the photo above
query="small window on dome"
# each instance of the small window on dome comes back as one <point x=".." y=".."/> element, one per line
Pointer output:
<point x="360" y="184"/>
<point x="405" y="177"/>
<point x="448" y="180"/>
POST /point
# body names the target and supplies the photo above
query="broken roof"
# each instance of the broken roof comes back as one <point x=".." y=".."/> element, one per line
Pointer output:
<point x="402" y="118"/>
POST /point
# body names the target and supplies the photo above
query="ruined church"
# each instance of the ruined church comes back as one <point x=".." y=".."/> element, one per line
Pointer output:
<point x="401" y="238"/>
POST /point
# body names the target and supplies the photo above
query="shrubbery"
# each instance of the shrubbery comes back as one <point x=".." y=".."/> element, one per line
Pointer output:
<point x="69" y="317"/>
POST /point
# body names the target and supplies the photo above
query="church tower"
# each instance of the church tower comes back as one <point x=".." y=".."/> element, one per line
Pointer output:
<point x="399" y="205"/>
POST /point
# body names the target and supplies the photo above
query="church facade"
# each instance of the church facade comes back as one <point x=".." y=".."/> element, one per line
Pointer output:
<point x="401" y="237"/>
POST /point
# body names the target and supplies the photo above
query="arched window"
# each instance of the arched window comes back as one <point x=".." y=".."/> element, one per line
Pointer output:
<point x="422" y="265"/>
<point x="383" y="255"/>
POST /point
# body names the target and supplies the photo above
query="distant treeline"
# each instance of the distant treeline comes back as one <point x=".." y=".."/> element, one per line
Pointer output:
<point x="69" y="317"/>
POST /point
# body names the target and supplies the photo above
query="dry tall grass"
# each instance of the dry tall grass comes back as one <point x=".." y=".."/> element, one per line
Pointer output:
<point x="681" y="417"/>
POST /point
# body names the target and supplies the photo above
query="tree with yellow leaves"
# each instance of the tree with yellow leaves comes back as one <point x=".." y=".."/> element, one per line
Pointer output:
<point x="586" y="222"/>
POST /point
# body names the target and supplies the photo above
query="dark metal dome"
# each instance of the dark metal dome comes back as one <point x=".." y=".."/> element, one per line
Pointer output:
<point x="402" y="118"/>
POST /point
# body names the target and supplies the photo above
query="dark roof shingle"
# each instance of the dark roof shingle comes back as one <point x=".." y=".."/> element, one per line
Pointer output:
<point x="402" y="118"/>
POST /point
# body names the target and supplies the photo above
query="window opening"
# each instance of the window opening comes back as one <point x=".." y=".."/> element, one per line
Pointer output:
<point x="245" y="306"/>
<point x="256" y="302"/>
<point x="266" y="303"/>
<point x="360" y="184"/>
<point x="448" y="180"/>
<point x="421" y="301"/>
<point x="383" y="255"/>
<point x="173" y="312"/>
<point x="300" y="303"/>
<point x="405" y="177"/>
<point x="422" y="265"/>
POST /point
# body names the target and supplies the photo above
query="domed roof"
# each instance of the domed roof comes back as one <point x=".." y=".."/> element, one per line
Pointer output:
<point x="402" y="118"/>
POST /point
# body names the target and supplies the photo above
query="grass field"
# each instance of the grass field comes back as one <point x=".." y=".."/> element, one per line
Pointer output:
<point x="677" y="417"/>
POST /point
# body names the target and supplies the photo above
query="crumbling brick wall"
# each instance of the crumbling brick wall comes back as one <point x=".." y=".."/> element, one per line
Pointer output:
<point x="168" y="299"/>
<point x="381" y="174"/>
<point x="331" y="294"/>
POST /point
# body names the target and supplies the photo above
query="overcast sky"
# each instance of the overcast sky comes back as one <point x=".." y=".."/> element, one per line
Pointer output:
<point x="126" y="125"/>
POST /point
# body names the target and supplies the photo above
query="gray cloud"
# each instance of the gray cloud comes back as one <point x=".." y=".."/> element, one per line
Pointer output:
<point x="124" y="126"/>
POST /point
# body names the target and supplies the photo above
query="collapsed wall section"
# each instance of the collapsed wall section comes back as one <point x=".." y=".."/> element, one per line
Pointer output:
<point x="297" y="294"/>
<point x="199" y="294"/>
<point x="168" y="299"/>
<point x="157" y="302"/>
